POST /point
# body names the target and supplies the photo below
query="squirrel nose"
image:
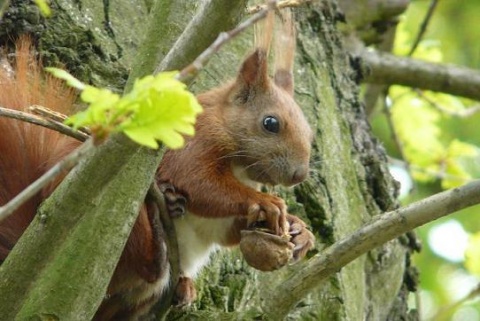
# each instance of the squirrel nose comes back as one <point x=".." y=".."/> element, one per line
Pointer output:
<point x="300" y="174"/>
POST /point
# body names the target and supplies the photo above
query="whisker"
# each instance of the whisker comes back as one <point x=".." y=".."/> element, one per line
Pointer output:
<point x="235" y="154"/>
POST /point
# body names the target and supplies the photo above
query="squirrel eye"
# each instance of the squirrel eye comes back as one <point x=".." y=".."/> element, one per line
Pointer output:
<point x="271" y="124"/>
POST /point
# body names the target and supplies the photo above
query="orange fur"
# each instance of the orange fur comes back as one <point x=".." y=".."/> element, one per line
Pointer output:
<point x="27" y="151"/>
<point x="31" y="149"/>
<point x="218" y="171"/>
<point x="220" y="168"/>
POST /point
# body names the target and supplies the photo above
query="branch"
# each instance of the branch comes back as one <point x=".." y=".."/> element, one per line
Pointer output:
<point x="396" y="139"/>
<point x="444" y="312"/>
<point x="423" y="26"/>
<point x="201" y="32"/>
<point x="221" y="40"/>
<point x="381" y="230"/>
<point x="465" y="113"/>
<point x="280" y="5"/>
<point x="383" y="68"/>
<point x="60" y="168"/>
<point x="29" y="118"/>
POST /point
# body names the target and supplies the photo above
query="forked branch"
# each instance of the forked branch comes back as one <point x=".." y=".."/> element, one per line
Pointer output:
<point x="382" y="229"/>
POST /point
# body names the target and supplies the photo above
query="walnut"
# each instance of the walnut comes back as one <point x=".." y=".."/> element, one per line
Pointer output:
<point x="265" y="251"/>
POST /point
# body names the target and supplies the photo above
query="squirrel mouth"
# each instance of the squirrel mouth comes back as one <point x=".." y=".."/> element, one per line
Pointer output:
<point x="265" y="178"/>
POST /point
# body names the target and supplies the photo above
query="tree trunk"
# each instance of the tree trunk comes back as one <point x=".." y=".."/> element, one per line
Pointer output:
<point x="349" y="182"/>
<point x="348" y="185"/>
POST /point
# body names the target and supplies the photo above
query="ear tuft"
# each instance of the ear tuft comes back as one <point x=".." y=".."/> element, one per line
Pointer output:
<point x="284" y="51"/>
<point x="254" y="71"/>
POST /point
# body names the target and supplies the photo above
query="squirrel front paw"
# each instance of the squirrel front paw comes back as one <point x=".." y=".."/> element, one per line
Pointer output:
<point x="269" y="212"/>
<point x="185" y="292"/>
<point x="175" y="202"/>
<point x="301" y="237"/>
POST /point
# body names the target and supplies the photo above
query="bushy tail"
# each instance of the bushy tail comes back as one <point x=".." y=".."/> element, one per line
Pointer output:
<point x="27" y="150"/>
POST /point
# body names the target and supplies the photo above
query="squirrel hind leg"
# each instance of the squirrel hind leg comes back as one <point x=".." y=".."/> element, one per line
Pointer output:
<point x="185" y="292"/>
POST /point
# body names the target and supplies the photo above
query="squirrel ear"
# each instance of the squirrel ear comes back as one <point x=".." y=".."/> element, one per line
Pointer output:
<point x="284" y="79"/>
<point x="254" y="72"/>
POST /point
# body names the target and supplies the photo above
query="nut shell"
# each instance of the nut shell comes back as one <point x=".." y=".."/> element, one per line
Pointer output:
<point x="264" y="251"/>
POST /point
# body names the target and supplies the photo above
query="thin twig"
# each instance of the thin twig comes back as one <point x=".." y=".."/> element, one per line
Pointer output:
<point x="221" y="40"/>
<point x="281" y="4"/>
<point x="54" y="116"/>
<point x="47" y="113"/>
<point x="60" y="168"/>
<point x="461" y="113"/>
<point x="440" y="315"/>
<point x="29" y="118"/>
<point x="423" y="26"/>
<point x="396" y="139"/>
<point x="382" y="229"/>
<point x="435" y="174"/>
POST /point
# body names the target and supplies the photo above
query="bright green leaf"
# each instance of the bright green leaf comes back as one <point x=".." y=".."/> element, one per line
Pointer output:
<point x="461" y="149"/>
<point x="62" y="74"/>
<point x="165" y="110"/>
<point x="472" y="255"/>
<point x="159" y="108"/>
<point x="416" y="124"/>
<point x="455" y="175"/>
<point x="44" y="8"/>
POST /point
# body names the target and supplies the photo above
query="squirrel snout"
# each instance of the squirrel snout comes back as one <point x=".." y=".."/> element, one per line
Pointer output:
<point x="300" y="174"/>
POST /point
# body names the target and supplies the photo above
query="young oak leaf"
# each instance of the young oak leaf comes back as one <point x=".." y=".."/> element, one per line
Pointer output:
<point x="102" y="103"/>
<point x="159" y="108"/>
<point x="166" y="110"/>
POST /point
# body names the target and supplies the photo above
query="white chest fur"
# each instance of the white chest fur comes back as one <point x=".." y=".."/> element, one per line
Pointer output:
<point x="197" y="238"/>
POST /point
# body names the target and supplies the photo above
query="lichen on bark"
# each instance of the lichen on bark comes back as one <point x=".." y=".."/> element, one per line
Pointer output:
<point x="349" y="182"/>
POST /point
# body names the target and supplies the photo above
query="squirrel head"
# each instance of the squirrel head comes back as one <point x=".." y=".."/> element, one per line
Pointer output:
<point x="271" y="135"/>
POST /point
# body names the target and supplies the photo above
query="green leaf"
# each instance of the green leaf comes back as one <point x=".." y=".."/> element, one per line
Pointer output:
<point x="165" y="111"/>
<point x="159" y="108"/>
<point x="461" y="149"/>
<point x="417" y="127"/>
<point x="455" y="175"/>
<point x="44" y="8"/>
<point x="457" y="153"/>
<point x="472" y="255"/>
<point x="62" y="74"/>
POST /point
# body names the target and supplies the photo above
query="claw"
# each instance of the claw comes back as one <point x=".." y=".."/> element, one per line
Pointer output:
<point x="176" y="202"/>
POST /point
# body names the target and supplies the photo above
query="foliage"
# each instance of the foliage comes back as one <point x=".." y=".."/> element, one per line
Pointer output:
<point x="438" y="135"/>
<point x="418" y="116"/>
<point x="472" y="255"/>
<point x="44" y="8"/>
<point x="158" y="108"/>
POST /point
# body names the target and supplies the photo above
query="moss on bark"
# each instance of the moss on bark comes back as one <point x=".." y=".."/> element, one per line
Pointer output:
<point x="348" y="185"/>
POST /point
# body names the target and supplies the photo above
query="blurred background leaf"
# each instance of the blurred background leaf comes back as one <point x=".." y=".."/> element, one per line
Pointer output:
<point x="439" y="140"/>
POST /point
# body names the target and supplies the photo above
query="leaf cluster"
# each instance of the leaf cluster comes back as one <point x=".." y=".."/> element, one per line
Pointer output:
<point x="158" y="108"/>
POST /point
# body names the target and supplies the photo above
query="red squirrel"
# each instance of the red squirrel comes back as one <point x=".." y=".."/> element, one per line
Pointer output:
<point x="251" y="133"/>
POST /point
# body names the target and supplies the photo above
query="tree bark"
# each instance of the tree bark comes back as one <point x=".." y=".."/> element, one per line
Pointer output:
<point x="349" y="182"/>
<point x="384" y="68"/>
